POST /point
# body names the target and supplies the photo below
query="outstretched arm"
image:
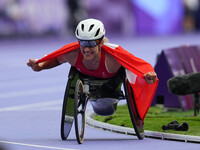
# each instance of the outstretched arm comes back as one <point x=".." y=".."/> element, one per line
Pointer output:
<point x="44" y="65"/>
<point x="69" y="57"/>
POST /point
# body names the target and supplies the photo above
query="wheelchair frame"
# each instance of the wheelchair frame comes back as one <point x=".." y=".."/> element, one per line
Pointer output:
<point x="75" y="101"/>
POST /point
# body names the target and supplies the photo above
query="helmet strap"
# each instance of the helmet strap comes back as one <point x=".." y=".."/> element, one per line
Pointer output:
<point x="99" y="47"/>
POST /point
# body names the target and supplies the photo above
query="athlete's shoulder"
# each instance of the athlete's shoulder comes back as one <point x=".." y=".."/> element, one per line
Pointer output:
<point x="69" y="57"/>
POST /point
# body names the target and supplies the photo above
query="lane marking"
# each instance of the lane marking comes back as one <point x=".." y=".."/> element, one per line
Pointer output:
<point x="31" y="92"/>
<point x="37" y="106"/>
<point x="27" y="82"/>
<point x="33" y="145"/>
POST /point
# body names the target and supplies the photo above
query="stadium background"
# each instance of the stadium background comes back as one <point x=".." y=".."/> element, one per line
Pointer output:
<point x="121" y="17"/>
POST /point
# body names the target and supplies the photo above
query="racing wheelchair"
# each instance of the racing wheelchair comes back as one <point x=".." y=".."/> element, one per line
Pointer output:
<point x="104" y="94"/>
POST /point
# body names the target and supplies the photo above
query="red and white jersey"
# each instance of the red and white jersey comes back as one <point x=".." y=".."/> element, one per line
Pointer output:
<point x="135" y="70"/>
<point x="101" y="72"/>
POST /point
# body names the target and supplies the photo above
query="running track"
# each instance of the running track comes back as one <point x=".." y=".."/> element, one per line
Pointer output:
<point x="31" y="102"/>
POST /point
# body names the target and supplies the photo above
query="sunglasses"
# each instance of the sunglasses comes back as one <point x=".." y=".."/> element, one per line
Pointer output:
<point x="85" y="43"/>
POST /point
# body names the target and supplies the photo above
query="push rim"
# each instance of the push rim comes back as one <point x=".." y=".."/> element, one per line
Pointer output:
<point x="79" y="113"/>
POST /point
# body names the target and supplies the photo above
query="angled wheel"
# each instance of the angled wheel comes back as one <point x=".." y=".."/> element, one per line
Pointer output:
<point x="135" y="117"/>
<point x="68" y="104"/>
<point x="79" y="113"/>
<point x="67" y="112"/>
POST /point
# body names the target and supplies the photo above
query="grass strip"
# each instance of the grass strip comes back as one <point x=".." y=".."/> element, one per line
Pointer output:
<point x="155" y="119"/>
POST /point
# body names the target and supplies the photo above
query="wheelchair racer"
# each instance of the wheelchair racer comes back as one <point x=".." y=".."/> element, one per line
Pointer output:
<point x="89" y="59"/>
<point x="94" y="56"/>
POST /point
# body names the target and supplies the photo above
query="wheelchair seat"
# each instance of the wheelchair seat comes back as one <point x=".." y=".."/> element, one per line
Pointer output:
<point x="105" y="93"/>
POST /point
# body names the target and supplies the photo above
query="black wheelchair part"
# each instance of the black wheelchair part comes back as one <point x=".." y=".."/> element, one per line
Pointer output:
<point x="103" y="94"/>
<point x="67" y="117"/>
<point x="135" y="117"/>
<point x="79" y="110"/>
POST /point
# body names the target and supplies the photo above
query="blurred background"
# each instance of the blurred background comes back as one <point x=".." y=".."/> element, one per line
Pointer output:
<point x="33" y="28"/>
<point x="28" y="18"/>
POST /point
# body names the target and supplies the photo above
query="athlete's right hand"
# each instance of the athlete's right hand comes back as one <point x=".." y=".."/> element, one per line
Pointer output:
<point x="32" y="63"/>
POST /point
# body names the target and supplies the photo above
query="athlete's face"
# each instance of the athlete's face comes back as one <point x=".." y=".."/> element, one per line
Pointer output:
<point x="89" y="52"/>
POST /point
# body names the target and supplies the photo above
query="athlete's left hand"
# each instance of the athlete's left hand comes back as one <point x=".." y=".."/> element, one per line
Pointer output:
<point x="150" y="77"/>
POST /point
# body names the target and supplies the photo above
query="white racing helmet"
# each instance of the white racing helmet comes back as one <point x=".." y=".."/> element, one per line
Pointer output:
<point x="90" y="29"/>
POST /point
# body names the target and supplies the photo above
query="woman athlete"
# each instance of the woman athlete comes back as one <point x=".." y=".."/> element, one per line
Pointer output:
<point x="89" y="58"/>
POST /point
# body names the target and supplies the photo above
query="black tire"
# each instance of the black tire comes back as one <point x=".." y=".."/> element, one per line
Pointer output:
<point x="135" y="117"/>
<point x="79" y="113"/>
<point x="67" y="116"/>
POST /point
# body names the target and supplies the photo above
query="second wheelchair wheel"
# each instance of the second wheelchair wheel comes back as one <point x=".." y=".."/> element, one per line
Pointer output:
<point x="135" y="117"/>
<point x="79" y="112"/>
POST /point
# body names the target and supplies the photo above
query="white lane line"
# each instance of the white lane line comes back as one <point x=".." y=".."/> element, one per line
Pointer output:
<point x="39" y="146"/>
<point x="31" y="92"/>
<point x="49" y="108"/>
<point x="32" y="106"/>
<point x="27" y="82"/>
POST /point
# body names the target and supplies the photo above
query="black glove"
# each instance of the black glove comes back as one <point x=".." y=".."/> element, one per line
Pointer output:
<point x="172" y="125"/>
<point x="182" y="127"/>
<point x="175" y="125"/>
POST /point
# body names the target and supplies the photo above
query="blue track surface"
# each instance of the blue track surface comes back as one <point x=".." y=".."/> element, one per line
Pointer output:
<point x="31" y="102"/>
